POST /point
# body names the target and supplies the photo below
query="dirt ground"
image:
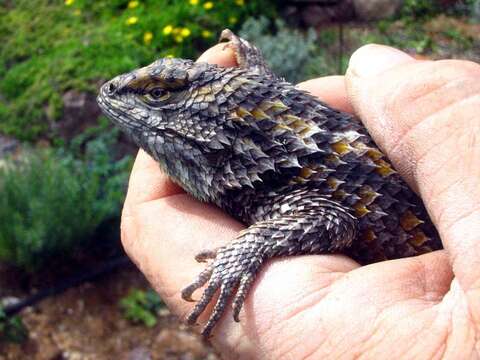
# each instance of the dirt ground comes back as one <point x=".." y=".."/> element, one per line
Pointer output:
<point x="86" y="323"/>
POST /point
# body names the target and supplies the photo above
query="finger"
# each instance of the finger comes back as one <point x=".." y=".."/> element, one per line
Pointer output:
<point x="329" y="89"/>
<point x="424" y="114"/>
<point x="147" y="182"/>
<point x="219" y="54"/>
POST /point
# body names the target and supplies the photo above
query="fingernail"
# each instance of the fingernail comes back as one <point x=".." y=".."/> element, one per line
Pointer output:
<point x="374" y="59"/>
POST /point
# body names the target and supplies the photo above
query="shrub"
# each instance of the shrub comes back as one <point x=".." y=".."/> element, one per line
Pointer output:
<point x="294" y="55"/>
<point x="49" y="47"/>
<point x="12" y="328"/>
<point x="419" y="9"/>
<point x="52" y="201"/>
<point x="141" y="306"/>
<point x="287" y="51"/>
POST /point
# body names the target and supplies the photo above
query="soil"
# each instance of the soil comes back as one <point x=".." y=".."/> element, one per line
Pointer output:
<point x="86" y="323"/>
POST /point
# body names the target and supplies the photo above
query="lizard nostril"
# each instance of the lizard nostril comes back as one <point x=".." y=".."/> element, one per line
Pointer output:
<point x="111" y="88"/>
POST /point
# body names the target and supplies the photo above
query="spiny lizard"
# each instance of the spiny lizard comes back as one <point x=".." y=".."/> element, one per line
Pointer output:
<point x="305" y="178"/>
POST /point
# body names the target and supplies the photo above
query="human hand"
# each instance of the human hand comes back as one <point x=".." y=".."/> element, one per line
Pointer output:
<point x="423" y="114"/>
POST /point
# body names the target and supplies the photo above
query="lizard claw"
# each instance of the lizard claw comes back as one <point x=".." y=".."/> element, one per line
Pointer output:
<point x="246" y="54"/>
<point x="238" y="45"/>
<point x="205" y="255"/>
<point x="226" y="35"/>
<point x="200" y="280"/>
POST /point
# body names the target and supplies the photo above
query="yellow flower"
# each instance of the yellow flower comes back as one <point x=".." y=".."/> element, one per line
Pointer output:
<point x="193" y="2"/>
<point x="185" y="32"/>
<point x="169" y="56"/>
<point x="178" y="38"/>
<point x="147" y="37"/>
<point x="167" y="29"/>
<point x="240" y="2"/>
<point x="133" y="4"/>
<point x="69" y="2"/>
<point x="232" y="20"/>
<point x="208" y="5"/>
<point x="206" y="34"/>
<point x="132" y="20"/>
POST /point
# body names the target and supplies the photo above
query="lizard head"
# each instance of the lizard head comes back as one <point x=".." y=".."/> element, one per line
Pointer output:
<point x="148" y="98"/>
<point x="176" y="110"/>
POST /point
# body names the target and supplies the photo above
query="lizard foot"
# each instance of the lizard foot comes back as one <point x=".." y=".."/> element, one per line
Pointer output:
<point x="323" y="227"/>
<point x="229" y="276"/>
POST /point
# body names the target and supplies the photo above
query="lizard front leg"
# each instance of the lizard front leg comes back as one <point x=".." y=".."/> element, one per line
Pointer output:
<point x="319" y="226"/>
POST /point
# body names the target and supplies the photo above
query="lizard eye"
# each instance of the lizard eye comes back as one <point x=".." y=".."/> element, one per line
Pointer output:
<point x="159" y="93"/>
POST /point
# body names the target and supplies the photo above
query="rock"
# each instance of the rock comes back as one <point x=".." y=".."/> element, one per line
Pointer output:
<point x="340" y="11"/>
<point x="174" y="344"/>
<point x="139" y="353"/>
<point x="80" y="110"/>
<point x="318" y="13"/>
<point x="7" y="145"/>
<point x="368" y="10"/>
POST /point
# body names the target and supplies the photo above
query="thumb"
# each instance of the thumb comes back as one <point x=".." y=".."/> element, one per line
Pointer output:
<point x="372" y="93"/>
<point x="424" y="116"/>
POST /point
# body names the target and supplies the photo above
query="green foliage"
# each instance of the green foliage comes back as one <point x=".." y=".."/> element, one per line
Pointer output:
<point x="53" y="201"/>
<point x="141" y="306"/>
<point x="287" y="51"/>
<point x="419" y="9"/>
<point x="412" y="37"/>
<point x="49" y="47"/>
<point x="12" y="328"/>
<point x="292" y="54"/>
<point x="458" y="37"/>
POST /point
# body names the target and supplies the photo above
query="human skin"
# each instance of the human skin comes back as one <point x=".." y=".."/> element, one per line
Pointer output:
<point x="425" y="115"/>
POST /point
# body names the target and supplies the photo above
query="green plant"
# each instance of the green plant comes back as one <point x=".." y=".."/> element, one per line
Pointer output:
<point x="294" y="55"/>
<point x="460" y="39"/>
<point x="49" y="47"/>
<point x="12" y="328"/>
<point x="419" y="9"/>
<point x="52" y="201"/>
<point x="402" y="34"/>
<point x="141" y="306"/>
<point x="287" y="51"/>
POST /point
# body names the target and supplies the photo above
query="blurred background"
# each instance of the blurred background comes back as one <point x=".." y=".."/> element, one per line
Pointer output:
<point x="67" y="291"/>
